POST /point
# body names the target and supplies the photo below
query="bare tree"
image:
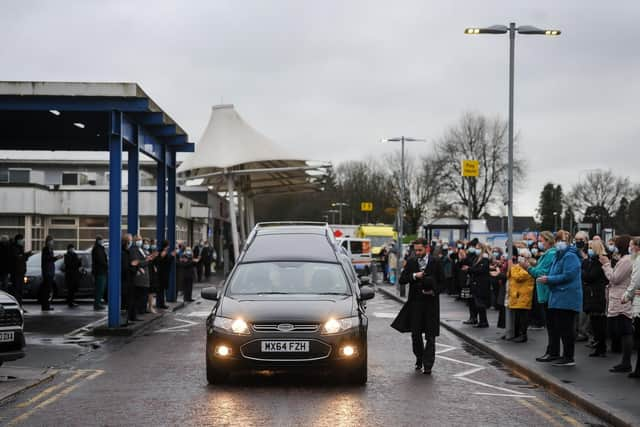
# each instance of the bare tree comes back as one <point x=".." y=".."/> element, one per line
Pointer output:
<point x="475" y="138"/>
<point x="422" y="186"/>
<point x="601" y="189"/>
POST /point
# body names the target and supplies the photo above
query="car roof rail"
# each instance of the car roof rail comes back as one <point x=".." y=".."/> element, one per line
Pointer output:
<point x="266" y="224"/>
<point x="279" y="223"/>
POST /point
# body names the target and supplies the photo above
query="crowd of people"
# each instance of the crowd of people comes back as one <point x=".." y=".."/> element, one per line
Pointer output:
<point x="579" y="289"/>
<point x="145" y="271"/>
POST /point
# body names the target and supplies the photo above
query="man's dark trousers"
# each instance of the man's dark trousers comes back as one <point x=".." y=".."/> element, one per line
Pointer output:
<point x="425" y="351"/>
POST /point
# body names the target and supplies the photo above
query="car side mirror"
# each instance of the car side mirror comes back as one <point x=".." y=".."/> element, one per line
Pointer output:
<point x="365" y="280"/>
<point x="366" y="293"/>
<point x="210" y="293"/>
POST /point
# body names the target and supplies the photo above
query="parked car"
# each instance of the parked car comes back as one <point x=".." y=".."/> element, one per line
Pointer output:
<point x="33" y="277"/>
<point x="359" y="250"/>
<point x="291" y="302"/>
<point x="11" y="329"/>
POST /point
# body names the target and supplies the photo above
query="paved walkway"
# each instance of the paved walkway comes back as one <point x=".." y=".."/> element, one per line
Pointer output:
<point x="612" y="397"/>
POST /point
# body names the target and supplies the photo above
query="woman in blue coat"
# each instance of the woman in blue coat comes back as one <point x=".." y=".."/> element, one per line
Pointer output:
<point x="565" y="298"/>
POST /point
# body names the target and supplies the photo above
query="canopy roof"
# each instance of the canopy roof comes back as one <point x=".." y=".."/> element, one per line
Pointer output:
<point x="231" y="146"/>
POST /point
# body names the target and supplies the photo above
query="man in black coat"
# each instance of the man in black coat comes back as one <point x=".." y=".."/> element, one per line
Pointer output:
<point x="18" y="266"/>
<point x="72" y="265"/>
<point x="421" y="313"/>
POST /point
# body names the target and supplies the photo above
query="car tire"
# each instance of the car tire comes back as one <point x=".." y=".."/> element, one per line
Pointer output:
<point x="216" y="375"/>
<point x="358" y="376"/>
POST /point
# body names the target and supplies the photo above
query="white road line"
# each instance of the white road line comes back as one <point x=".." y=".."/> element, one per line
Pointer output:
<point x="178" y="328"/>
<point x="506" y="390"/>
<point x="505" y="395"/>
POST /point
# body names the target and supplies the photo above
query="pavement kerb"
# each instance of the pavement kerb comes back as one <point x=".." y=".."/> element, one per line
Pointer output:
<point x="133" y="330"/>
<point x="48" y="377"/>
<point x="575" y="397"/>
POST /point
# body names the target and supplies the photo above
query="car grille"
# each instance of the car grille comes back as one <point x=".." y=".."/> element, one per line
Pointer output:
<point x="317" y="350"/>
<point x="10" y="317"/>
<point x="284" y="327"/>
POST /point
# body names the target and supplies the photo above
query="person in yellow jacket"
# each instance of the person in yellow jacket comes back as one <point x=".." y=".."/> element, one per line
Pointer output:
<point x="521" y="286"/>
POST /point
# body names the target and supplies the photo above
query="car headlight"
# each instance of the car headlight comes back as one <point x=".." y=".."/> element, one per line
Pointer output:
<point x="236" y="326"/>
<point x="333" y="326"/>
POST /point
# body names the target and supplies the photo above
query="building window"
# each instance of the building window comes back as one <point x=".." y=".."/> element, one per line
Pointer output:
<point x="74" y="178"/>
<point x="19" y="176"/>
<point x="63" y="221"/>
<point x="4" y="175"/>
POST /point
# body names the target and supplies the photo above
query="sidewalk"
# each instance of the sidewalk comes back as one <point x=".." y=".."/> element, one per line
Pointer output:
<point x="589" y="385"/>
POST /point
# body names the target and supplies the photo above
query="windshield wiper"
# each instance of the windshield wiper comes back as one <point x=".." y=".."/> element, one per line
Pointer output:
<point x="331" y="293"/>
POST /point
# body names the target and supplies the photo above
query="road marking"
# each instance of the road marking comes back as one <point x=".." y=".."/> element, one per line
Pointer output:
<point x="50" y="390"/>
<point x="96" y="373"/>
<point x="539" y="411"/>
<point x="477" y="368"/>
<point x="197" y="314"/>
<point x="178" y="328"/>
<point x="562" y="415"/>
<point x="385" y="315"/>
<point x="504" y="395"/>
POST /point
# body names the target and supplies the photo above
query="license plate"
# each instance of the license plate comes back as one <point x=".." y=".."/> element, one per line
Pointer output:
<point x="285" y="346"/>
<point x="6" y="336"/>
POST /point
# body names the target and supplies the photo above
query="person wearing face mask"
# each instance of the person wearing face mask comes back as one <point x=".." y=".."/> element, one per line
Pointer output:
<point x="447" y="267"/>
<point x="546" y="245"/>
<point x="565" y="296"/>
<point x="583" y="328"/>
<point x="187" y="264"/>
<point x="612" y="252"/>
<point x="480" y="286"/>
<point x="142" y="276"/>
<point x="521" y="286"/>
<point x="467" y="283"/>
<point x="153" y="275"/>
<point x="17" y="266"/>
<point x="421" y="313"/>
<point x="128" y="270"/>
<point x="632" y="294"/>
<point x="99" y="269"/>
<point x="619" y="310"/>
<point x="47" y="264"/>
<point x="72" y="265"/>
<point x="595" y="304"/>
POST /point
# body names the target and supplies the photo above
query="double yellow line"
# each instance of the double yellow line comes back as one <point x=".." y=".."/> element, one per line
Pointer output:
<point x="548" y="415"/>
<point x="56" y="392"/>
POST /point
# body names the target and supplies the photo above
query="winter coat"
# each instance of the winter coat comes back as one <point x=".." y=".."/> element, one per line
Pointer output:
<point x="594" y="286"/>
<point x="164" y="270"/>
<point x="480" y="286"/>
<point x="99" y="263"/>
<point x="633" y="291"/>
<point x="521" y="286"/>
<point x="141" y="277"/>
<point x="542" y="269"/>
<point x="72" y="266"/>
<point x="18" y="260"/>
<point x="619" y="280"/>
<point x="565" y="281"/>
<point x="48" y="263"/>
<point x="418" y="301"/>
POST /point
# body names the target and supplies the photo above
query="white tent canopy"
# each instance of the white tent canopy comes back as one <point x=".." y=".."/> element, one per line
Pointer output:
<point x="231" y="154"/>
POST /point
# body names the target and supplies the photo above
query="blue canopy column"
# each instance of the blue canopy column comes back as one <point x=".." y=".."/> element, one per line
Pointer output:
<point x="115" y="216"/>
<point x="171" y="219"/>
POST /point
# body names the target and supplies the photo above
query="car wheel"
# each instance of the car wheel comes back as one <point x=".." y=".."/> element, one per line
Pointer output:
<point x="358" y="376"/>
<point x="216" y="375"/>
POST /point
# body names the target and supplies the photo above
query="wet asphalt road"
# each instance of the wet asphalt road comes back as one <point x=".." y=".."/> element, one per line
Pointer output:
<point x="158" y="378"/>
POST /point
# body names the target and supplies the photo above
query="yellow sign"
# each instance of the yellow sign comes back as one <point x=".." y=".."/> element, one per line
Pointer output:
<point x="470" y="168"/>
<point x="366" y="206"/>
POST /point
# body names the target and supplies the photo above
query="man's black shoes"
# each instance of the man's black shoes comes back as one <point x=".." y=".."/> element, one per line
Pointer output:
<point x="418" y="365"/>
<point x="548" y="358"/>
<point x="426" y="371"/>
<point x="470" y="322"/>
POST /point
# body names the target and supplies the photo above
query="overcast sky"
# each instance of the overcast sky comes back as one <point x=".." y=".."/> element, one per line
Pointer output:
<point x="331" y="78"/>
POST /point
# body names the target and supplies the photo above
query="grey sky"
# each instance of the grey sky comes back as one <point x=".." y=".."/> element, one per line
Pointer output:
<point x="330" y="78"/>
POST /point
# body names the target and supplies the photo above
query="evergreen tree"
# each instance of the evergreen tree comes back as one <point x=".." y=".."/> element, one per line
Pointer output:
<point x="621" y="217"/>
<point x="550" y="202"/>
<point x="633" y="215"/>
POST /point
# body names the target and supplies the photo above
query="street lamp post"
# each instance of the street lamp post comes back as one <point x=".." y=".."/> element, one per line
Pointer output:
<point x="555" y="221"/>
<point x="339" y="205"/>
<point x="402" y="140"/>
<point x="332" y="212"/>
<point x="511" y="29"/>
